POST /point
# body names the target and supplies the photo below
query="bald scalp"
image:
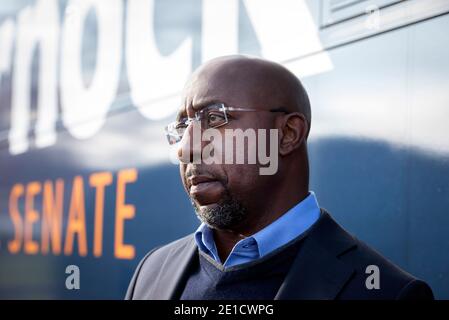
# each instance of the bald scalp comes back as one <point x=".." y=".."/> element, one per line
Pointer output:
<point x="266" y="84"/>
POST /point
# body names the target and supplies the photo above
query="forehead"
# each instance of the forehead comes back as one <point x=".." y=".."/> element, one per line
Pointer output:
<point x="218" y="84"/>
<point x="203" y="91"/>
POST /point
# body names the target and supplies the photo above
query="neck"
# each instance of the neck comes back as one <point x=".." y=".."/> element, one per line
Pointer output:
<point x="259" y="216"/>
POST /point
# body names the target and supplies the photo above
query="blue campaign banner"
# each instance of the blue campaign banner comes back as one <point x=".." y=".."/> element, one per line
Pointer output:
<point x="87" y="178"/>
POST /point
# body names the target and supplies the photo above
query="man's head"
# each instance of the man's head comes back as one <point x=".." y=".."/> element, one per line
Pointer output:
<point x="237" y="196"/>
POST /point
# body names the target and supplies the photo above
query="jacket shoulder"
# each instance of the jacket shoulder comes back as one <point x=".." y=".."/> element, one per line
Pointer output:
<point x="153" y="262"/>
<point x="161" y="253"/>
<point x="392" y="281"/>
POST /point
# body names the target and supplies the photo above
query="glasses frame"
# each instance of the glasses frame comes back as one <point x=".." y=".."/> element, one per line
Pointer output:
<point x="174" y="137"/>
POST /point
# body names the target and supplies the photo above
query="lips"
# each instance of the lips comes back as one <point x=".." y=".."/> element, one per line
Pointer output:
<point x="205" y="189"/>
<point x="200" y="184"/>
<point x="195" y="180"/>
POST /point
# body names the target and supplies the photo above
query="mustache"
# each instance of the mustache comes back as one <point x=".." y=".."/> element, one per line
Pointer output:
<point x="195" y="170"/>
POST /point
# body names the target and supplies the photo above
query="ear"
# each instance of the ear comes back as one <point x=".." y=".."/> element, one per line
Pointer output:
<point x="293" y="132"/>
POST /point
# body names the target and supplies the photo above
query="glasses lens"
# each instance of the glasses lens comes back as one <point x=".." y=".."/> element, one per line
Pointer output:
<point x="215" y="116"/>
<point x="210" y="117"/>
<point x="174" y="132"/>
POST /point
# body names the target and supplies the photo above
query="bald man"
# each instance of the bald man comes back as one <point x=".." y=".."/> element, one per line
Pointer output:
<point x="262" y="235"/>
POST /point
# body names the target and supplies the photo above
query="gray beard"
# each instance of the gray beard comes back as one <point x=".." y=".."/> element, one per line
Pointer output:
<point x="227" y="214"/>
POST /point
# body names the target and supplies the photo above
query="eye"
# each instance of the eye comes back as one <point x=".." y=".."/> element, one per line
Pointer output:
<point x="181" y="124"/>
<point x="214" y="118"/>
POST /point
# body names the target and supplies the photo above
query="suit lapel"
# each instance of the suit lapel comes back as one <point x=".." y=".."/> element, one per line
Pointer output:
<point x="317" y="273"/>
<point x="175" y="270"/>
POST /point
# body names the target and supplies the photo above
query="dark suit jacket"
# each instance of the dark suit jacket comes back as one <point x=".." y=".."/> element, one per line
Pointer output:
<point x="331" y="264"/>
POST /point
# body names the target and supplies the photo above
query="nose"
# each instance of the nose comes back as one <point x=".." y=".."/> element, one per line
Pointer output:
<point x="191" y="145"/>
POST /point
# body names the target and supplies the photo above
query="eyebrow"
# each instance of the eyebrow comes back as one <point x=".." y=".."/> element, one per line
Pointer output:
<point x="205" y="104"/>
<point x="197" y="107"/>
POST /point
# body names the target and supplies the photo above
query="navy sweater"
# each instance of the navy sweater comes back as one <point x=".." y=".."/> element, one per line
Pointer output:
<point x="256" y="280"/>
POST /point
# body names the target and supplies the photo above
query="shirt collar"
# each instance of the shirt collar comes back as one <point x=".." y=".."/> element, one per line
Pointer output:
<point x="204" y="238"/>
<point x="288" y="226"/>
<point x="284" y="229"/>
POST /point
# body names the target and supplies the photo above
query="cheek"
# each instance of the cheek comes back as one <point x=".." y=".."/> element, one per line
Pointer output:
<point x="242" y="179"/>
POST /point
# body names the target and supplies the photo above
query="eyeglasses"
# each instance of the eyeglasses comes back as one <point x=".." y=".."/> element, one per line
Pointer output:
<point x="212" y="116"/>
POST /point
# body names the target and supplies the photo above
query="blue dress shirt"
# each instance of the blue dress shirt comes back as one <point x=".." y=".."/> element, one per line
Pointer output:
<point x="284" y="229"/>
